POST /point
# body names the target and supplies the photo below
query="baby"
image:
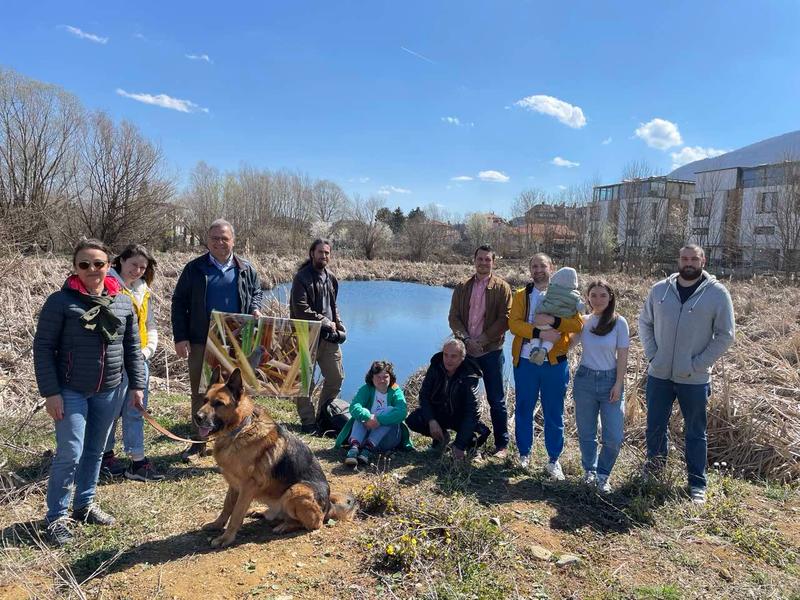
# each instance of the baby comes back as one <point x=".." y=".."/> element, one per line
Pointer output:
<point x="562" y="299"/>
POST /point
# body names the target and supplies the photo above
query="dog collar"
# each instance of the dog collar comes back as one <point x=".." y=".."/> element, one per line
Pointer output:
<point x="244" y="424"/>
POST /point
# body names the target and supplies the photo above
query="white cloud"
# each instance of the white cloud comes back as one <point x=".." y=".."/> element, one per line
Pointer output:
<point x="568" y="114"/>
<point x="204" y="57"/>
<point x="388" y="190"/>
<point x="358" y="179"/>
<point x="606" y="141"/>
<point x="562" y="187"/>
<point x="689" y="154"/>
<point x="461" y="178"/>
<point x="164" y="101"/>
<point x="140" y="36"/>
<point x="495" y="176"/>
<point x="86" y="36"/>
<point x="456" y="121"/>
<point x="660" y="134"/>
<point x="563" y="162"/>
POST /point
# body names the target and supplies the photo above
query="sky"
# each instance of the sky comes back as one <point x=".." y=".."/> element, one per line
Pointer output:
<point x="455" y="103"/>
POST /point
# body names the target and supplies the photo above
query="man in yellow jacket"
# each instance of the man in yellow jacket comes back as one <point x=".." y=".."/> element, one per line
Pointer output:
<point x="549" y="379"/>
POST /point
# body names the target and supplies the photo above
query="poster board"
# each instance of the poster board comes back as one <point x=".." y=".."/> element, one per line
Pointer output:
<point x="276" y="355"/>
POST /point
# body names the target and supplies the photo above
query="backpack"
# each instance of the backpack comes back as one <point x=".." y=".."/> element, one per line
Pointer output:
<point x="333" y="417"/>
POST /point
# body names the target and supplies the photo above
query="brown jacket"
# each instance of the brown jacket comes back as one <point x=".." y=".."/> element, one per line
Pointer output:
<point x="495" y="322"/>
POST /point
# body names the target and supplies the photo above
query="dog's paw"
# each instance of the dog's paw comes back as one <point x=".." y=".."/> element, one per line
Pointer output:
<point x="222" y="541"/>
<point x="282" y="527"/>
<point x="213" y="526"/>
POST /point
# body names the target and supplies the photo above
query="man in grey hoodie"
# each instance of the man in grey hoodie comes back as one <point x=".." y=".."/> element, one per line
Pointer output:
<point x="686" y="324"/>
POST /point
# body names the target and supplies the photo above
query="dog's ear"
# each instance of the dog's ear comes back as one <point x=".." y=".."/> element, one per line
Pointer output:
<point x="234" y="383"/>
<point x="216" y="376"/>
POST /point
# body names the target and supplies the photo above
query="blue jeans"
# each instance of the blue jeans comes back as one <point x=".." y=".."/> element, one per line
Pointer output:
<point x="491" y="364"/>
<point x="550" y="381"/>
<point x="80" y="438"/>
<point x="380" y="439"/>
<point x="692" y="399"/>
<point x="591" y="390"/>
<point x="132" y="420"/>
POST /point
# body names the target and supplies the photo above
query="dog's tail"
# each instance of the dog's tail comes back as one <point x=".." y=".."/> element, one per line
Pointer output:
<point x="342" y="508"/>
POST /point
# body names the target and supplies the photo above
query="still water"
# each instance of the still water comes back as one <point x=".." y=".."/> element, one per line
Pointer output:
<point x="405" y="323"/>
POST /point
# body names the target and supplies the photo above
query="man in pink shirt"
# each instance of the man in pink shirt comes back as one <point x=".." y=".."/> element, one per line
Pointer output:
<point x="479" y="317"/>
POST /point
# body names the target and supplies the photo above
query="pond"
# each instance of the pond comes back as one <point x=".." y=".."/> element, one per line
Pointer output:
<point x="405" y="323"/>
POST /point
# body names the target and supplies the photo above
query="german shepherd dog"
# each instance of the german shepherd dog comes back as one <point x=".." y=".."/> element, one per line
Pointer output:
<point x="262" y="461"/>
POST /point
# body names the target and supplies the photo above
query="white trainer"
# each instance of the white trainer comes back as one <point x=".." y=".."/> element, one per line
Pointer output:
<point x="554" y="470"/>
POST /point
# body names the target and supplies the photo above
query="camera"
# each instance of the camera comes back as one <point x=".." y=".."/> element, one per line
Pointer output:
<point x="334" y="337"/>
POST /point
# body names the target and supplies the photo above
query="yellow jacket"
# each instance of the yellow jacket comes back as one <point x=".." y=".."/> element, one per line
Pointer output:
<point x="522" y="330"/>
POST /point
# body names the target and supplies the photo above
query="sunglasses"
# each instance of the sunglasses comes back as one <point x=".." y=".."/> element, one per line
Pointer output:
<point x="98" y="264"/>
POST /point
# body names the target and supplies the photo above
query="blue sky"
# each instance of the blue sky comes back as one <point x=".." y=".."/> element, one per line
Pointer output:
<point x="401" y="98"/>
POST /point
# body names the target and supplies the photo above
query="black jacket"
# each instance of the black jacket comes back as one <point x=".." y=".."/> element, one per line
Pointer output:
<point x="458" y="404"/>
<point x="189" y="316"/>
<point x="66" y="355"/>
<point x="305" y="301"/>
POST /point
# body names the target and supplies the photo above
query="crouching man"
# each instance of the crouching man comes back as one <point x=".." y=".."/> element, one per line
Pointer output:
<point x="448" y="400"/>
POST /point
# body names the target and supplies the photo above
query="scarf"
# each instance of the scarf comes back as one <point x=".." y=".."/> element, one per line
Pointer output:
<point x="98" y="317"/>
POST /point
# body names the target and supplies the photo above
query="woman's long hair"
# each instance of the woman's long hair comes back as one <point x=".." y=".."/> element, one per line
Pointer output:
<point x="132" y="250"/>
<point x="608" y="318"/>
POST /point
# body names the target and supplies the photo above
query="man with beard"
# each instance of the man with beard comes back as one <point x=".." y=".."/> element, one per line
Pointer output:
<point x="686" y="324"/>
<point x="313" y="298"/>
<point x="549" y="379"/>
<point x="479" y="317"/>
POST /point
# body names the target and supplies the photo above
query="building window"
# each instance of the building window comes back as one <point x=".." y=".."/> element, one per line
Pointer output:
<point x="764" y="230"/>
<point x="632" y="233"/>
<point x="632" y="211"/>
<point x="595" y="212"/>
<point x="654" y="211"/>
<point x="767" y="202"/>
<point x="702" y="207"/>
<point x="700" y="231"/>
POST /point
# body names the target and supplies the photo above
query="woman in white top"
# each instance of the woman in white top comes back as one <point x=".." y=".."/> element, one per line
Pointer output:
<point x="598" y="384"/>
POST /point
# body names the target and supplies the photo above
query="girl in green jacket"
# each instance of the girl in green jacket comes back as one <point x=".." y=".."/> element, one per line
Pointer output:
<point x="377" y="414"/>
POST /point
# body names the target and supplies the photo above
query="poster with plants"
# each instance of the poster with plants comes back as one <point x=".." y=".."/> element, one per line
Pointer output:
<point x="276" y="355"/>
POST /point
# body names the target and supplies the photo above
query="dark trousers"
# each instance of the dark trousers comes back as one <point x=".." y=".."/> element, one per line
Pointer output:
<point x="491" y="364"/>
<point x="196" y="354"/>
<point x="692" y="399"/>
<point x="416" y="421"/>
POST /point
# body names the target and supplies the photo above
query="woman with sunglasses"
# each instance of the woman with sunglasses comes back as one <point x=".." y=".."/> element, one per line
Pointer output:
<point x="135" y="269"/>
<point x="86" y="335"/>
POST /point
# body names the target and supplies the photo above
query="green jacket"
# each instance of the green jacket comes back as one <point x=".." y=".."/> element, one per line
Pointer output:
<point x="560" y="301"/>
<point x="361" y="409"/>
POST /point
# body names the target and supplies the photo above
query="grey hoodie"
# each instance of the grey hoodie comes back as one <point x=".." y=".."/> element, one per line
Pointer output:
<point x="682" y="341"/>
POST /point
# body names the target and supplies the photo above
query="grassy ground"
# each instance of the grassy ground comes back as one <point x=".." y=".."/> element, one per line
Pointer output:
<point x="425" y="530"/>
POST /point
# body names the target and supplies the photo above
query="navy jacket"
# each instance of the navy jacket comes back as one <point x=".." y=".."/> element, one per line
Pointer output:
<point x="189" y="317"/>
<point x="65" y="355"/>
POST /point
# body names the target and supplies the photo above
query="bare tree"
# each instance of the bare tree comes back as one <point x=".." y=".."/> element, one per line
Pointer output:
<point x="370" y="235"/>
<point x="121" y="192"/>
<point x="328" y="201"/>
<point x="632" y="210"/>
<point x="523" y="212"/>
<point x="39" y="129"/>
<point x="787" y="215"/>
<point x="203" y="200"/>
<point x="428" y="234"/>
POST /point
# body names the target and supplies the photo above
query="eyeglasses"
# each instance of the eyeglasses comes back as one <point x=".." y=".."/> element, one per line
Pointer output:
<point x="97" y="264"/>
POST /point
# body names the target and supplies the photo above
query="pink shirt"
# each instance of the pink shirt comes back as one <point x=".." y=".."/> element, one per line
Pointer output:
<point x="477" y="307"/>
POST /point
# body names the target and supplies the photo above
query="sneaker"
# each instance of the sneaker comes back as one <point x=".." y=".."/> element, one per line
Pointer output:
<point x="192" y="452"/>
<point x="698" y="495"/>
<point x="351" y="460"/>
<point x="590" y="478"/>
<point x="501" y="453"/>
<point x="364" y="457"/>
<point x="93" y="515"/>
<point x="524" y="461"/>
<point x="553" y="469"/>
<point x="144" y="472"/>
<point x="59" y="531"/>
<point x="538" y="356"/>
<point x="602" y="484"/>
<point x="111" y="466"/>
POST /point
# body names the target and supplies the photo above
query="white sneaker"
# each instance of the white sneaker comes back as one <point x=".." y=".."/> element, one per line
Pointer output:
<point x="554" y="470"/>
<point x="698" y="495"/>
<point x="590" y="478"/>
<point x="602" y="484"/>
<point x="524" y="461"/>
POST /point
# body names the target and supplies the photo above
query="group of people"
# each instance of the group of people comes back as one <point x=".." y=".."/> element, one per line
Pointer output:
<point x="96" y="335"/>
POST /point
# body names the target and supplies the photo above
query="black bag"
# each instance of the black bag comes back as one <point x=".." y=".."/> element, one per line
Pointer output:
<point x="333" y="417"/>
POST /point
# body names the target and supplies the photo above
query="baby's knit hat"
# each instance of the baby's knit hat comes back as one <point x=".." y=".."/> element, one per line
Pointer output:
<point x="565" y="277"/>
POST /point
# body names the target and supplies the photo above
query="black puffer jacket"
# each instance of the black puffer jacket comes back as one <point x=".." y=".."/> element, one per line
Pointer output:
<point x="65" y="355"/>
<point x="458" y="404"/>
<point x="189" y="316"/>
